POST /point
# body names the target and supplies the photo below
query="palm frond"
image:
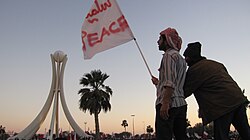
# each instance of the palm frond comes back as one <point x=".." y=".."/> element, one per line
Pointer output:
<point x="95" y="96"/>
<point x="83" y="91"/>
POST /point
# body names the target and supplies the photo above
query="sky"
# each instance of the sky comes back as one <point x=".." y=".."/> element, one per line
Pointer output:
<point x="31" y="30"/>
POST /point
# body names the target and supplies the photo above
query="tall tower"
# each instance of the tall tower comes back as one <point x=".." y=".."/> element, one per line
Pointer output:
<point x="58" y="60"/>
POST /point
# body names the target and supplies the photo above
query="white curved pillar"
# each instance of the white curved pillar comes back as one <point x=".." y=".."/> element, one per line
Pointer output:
<point x="58" y="60"/>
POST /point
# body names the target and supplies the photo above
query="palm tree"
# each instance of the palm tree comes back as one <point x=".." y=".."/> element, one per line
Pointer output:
<point x="149" y="130"/>
<point x="95" y="96"/>
<point x="124" y="124"/>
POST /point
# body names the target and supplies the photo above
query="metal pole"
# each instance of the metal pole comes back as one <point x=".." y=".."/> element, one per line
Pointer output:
<point x="143" y="58"/>
<point x="133" y="124"/>
<point x="144" y="127"/>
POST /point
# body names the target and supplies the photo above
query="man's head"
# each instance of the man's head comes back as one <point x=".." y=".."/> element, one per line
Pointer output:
<point x="192" y="53"/>
<point x="169" y="38"/>
<point x="162" y="43"/>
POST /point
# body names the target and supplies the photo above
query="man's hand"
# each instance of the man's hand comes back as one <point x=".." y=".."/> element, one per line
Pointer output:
<point x="164" y="111"/>
<point x="154" y="80"/>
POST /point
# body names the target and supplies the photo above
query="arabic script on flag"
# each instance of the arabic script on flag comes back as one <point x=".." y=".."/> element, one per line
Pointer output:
<point x="104" y="27"/>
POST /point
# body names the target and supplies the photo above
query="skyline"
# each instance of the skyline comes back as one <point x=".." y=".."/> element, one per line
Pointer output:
<point x="31" y="30"/>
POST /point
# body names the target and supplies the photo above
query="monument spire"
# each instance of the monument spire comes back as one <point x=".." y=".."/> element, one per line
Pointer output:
<point x="58" y="60"/>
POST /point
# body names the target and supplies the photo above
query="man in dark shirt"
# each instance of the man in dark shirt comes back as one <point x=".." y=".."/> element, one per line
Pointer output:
<point x="219" y="97"/>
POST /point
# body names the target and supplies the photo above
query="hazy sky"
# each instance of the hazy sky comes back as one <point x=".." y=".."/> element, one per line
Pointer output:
<point x="31" y="30"/>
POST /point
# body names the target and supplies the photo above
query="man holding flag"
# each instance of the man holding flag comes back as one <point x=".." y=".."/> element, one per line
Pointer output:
<point x="105" y="27"/>
<point x="171" y="107"/>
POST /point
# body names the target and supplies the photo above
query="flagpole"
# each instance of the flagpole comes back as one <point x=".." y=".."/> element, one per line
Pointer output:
<point x="143" y="57"/>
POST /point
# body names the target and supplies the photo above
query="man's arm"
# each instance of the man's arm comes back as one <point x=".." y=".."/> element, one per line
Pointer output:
<point x="187" y="91"/>
<point x="188" y="85"/>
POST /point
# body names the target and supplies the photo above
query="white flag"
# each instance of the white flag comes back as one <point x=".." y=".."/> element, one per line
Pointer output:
<point x="104" y="27"/>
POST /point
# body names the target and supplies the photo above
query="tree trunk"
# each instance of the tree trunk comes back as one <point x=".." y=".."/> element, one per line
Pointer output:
<point x="97" y="128"/>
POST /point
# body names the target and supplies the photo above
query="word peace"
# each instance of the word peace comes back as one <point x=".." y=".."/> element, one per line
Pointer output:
<point x="114" y="27"/>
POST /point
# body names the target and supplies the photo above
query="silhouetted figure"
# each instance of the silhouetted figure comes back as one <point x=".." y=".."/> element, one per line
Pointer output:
<point x="171" y="107"/>
<point x="219" y="97"/>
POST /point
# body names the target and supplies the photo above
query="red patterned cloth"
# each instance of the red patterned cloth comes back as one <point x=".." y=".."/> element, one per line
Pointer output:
<point x="173" y="38"/>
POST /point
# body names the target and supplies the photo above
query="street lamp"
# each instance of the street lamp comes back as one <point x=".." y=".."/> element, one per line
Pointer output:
<point x="143" y="127"/>
<point x="85" y="126"/>
<point x="133" y="124"/>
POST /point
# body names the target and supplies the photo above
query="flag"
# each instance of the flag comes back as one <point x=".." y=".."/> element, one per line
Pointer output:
<point x="103" y="28"/>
